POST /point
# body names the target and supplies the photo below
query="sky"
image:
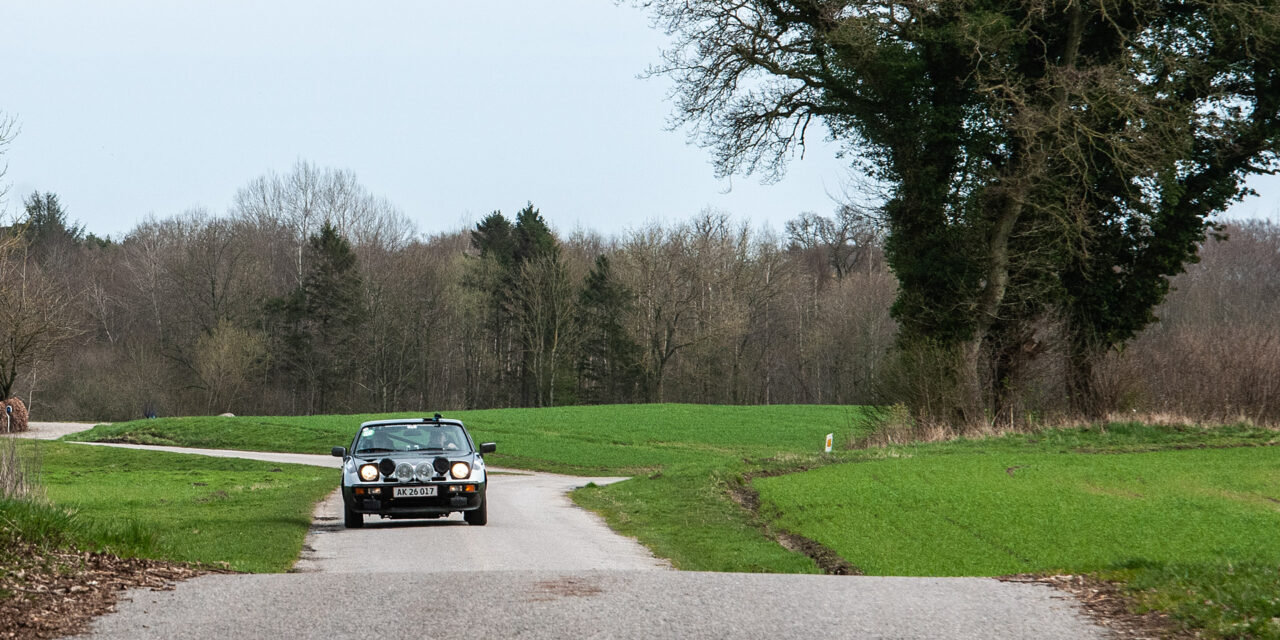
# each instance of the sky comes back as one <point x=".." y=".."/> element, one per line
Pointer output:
<point x="449" y="110"/>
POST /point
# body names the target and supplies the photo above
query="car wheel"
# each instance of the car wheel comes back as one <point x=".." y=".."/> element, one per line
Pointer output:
<point x="478" y="517"/>
<point x="351" y="519"/>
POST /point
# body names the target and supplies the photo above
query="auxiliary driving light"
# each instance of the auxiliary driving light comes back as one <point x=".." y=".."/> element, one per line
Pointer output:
<point x="404" y="472"/>
<point x="387" y="466"/>
<point x="424" y="471"/>
<point x="441" y="465"/>
<point x="460" y="470"/>
<point x="368" y="472"/>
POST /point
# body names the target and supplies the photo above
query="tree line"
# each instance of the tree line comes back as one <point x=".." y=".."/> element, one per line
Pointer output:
<point x="311" y="295"/>
<point x="1040" y="178"/>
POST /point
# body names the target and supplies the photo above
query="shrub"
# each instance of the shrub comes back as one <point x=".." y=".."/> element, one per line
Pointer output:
<point x="15" y="421"/>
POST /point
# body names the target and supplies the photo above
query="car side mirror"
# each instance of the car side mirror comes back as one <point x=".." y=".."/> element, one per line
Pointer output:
<point x="488" y="447"/>
<point x="339" y="452"/>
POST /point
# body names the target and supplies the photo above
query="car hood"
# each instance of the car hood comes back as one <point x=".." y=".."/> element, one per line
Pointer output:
<point x="416" y="456"/>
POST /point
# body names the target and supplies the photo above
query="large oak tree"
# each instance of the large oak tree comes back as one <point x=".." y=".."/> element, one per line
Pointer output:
<point x="1058" y="155"/>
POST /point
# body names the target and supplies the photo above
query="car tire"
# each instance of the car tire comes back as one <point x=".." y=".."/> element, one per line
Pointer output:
<point x="351" y="519"/>
<point x="478" y="517"/>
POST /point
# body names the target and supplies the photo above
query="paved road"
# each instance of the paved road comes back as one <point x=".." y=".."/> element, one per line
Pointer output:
<point x="544" y="569"/>
<point x="55" y="430"/>
<point x="532" y="526"/>
<point x="644" y="605"/>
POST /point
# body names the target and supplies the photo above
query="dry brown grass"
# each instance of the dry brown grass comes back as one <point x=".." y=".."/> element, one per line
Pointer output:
<point x="1162" y="419"/>
<point x="19" y="476"/>
<point x="1172" y="418"/>
<point x="895" y="425"/>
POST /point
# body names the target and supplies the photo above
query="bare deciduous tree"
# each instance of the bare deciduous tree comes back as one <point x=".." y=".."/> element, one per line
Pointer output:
<point x="36" y="315"/>
<point x="654" y="264"/>
<point x="850" y="240"/>
<point x="8" y="131"/>
<point x="542" y="304"/>
<point x="228" y="359"/>
<point x="308" y="197"/>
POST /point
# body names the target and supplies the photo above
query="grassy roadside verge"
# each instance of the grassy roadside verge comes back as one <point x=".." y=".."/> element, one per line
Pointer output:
<point x="241" y="514"/>
<point x="685" y="514"/>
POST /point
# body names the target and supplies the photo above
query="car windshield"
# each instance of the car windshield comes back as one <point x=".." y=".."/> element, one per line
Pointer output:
<point x="411" y="437"/>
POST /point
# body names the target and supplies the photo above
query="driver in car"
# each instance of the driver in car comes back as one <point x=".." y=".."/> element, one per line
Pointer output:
<point x="440" y="441"/>
<point x="380" y="442"/>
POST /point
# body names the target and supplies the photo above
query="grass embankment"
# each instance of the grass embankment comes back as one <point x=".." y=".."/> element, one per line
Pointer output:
<point x="683" y="457"/>
<point x="1194" y="530"/>
<point x="250" y="515"/>
<point x="610" y="439"/>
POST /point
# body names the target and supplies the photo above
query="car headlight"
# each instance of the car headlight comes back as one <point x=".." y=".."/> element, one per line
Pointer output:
<point x="424" y="471"/>
<point x="368" y="472"/>
<point x="460" y="470"/>
<point x="404" y="472"/>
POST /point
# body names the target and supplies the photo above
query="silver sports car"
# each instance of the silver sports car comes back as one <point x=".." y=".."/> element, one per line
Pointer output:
<point x="413" y="468"/>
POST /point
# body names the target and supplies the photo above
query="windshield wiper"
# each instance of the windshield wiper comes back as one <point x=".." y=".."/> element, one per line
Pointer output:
<point x="374" y="450"/>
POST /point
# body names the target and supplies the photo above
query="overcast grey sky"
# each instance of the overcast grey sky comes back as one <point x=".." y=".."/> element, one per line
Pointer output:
<point x="448" y="109"/>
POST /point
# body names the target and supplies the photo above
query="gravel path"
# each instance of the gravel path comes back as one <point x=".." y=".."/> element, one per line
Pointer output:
<point x="51" y="430"/>
<point x="543" y="568"/>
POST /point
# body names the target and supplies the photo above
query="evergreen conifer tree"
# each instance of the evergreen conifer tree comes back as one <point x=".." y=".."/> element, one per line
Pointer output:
<point x="609" y="368"/>
<point x="318" y="324"/>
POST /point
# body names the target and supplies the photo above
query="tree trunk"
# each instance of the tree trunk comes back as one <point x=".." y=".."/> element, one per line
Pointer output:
<point x="1086" y="401"/>
<point x="7" y="379"/>
<point x="973" y="407"/>
<point x="1014" y="352"/>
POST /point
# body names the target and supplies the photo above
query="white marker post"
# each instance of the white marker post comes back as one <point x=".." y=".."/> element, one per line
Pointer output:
<point x="830" y="437"/>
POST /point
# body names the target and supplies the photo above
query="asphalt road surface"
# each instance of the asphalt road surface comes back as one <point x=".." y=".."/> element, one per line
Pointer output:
<point x="543" y="568"/>
<point x="532" y="527"/>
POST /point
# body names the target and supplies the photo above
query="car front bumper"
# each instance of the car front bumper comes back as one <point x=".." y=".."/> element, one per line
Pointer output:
<point x="449" y="498"/>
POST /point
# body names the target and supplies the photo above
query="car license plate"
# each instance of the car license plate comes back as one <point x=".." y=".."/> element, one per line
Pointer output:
<point x="414" y="492"/>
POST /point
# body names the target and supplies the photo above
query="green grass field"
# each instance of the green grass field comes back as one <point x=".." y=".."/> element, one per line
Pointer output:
<point x="251" y="515"/>
<point x="610" y="439"/>
<point x="1186" y="516"/>
<point x="983" y="514"/>
<point x="682" y="456"/>
<point x="1197" y="529"/>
